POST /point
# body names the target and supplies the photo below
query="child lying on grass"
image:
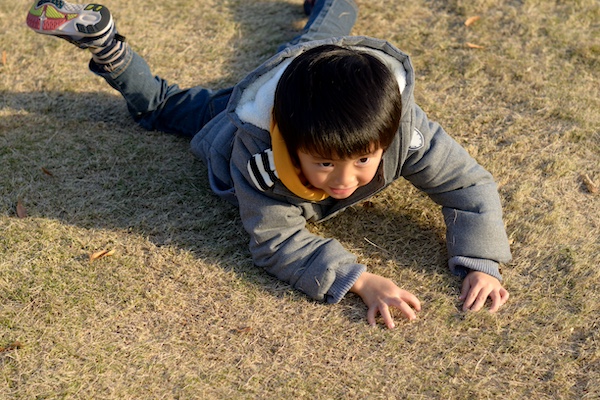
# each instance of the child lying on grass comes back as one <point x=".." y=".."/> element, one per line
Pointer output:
<point x="324" y="124"/>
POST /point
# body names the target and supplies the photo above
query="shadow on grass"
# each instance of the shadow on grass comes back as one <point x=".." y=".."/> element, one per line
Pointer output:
<point x="263" y="27"/>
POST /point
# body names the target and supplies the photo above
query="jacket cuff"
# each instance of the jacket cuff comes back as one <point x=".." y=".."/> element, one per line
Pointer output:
<point x="460" y="265"/>
<point x="345" y="277"/>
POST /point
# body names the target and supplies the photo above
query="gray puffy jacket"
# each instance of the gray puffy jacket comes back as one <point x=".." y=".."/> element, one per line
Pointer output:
<point x="275" y="218"/>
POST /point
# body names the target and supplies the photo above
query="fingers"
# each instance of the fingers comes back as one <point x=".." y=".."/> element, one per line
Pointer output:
<point x="408" y="304"/>
<point x="498" y="299"/>
<point x="407" y="308"/>
<point x="475" y="297"/>
<point x="408" y="312"/>
<point x="384" y="310"/>
<point x="411" y="299"/>
<point x="479" y="298"/>
<point x="371" y="314"/>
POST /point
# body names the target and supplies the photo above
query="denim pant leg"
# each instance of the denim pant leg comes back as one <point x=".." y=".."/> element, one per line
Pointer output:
<point x="329" y="18"/>
<point x="156" y="105"/>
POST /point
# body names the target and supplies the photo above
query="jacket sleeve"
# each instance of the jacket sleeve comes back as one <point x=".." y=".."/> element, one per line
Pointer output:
<point x="475" y="234"/>
<point x="281" y="244"/>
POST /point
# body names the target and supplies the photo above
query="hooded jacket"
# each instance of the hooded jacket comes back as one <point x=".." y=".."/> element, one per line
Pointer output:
<point x="240" y="152"/>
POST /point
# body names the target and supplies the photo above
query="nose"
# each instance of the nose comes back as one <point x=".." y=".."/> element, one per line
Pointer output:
<point x="344" y="177"/>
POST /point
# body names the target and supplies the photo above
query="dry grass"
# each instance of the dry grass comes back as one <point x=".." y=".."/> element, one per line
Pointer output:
<point x="180" y="312"/>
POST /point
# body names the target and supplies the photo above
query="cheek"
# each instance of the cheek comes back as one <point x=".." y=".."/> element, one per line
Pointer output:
<point x="315" y="178"/>
<point x="367" y="176"/>
<point x="320" y="178"/>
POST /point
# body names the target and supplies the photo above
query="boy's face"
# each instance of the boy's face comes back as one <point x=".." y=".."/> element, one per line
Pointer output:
<point x="339" y="178"/>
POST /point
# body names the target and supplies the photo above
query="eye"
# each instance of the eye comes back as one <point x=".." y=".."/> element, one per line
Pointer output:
<point x="326" y="164"/>
<point x="363" y="160"/>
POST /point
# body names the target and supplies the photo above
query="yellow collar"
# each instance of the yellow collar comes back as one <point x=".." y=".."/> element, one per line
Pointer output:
<point x="286" y="171"/>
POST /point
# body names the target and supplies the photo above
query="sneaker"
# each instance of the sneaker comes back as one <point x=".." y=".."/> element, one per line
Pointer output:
<point x="85" y="25"/>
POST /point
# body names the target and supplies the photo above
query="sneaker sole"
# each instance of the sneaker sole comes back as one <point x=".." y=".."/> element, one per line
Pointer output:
<point x="49" y="17"/>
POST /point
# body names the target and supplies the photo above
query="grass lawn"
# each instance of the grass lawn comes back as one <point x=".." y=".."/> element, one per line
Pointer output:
<point x="177" y="309"/>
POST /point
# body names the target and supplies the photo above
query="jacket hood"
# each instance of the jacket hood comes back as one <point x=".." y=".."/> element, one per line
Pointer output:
<point x="256" y="101"/>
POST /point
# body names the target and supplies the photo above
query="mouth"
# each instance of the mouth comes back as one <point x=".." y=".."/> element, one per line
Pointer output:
<point x="342" y="193"/>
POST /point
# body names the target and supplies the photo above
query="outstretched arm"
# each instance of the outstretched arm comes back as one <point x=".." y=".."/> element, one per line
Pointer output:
<point x="476" y="238"/>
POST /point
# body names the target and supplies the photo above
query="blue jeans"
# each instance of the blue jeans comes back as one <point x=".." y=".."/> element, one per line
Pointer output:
<point x="156" y="105"/>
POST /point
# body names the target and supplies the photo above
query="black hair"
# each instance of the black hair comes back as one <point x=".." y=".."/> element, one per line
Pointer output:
<point x="334" y="101"/>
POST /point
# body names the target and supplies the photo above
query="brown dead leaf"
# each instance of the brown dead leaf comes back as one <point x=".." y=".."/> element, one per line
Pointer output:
<point x="243" y="329"/>
<point x="470" y="21"/>
<point x="3" y="57"/>
<point x="44" y="170"/>
<point x="589" y="183"/>
<point x="98" y="254"/>
<point x="21" y="210"/>
<point x="102" y="253"/>
<point x="368" y="204"/>
<point x="474" y="46"/>
<point x="12" y="346"/>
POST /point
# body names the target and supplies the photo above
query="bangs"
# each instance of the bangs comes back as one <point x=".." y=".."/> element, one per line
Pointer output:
<point x="336" y="145"/>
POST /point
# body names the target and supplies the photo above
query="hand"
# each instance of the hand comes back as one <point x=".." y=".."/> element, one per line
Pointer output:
<point x="477" y="287"/>
<point x="380" y="293"/>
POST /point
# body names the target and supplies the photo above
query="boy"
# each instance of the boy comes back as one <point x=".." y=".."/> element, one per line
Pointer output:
<point x="324" y="124"/>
